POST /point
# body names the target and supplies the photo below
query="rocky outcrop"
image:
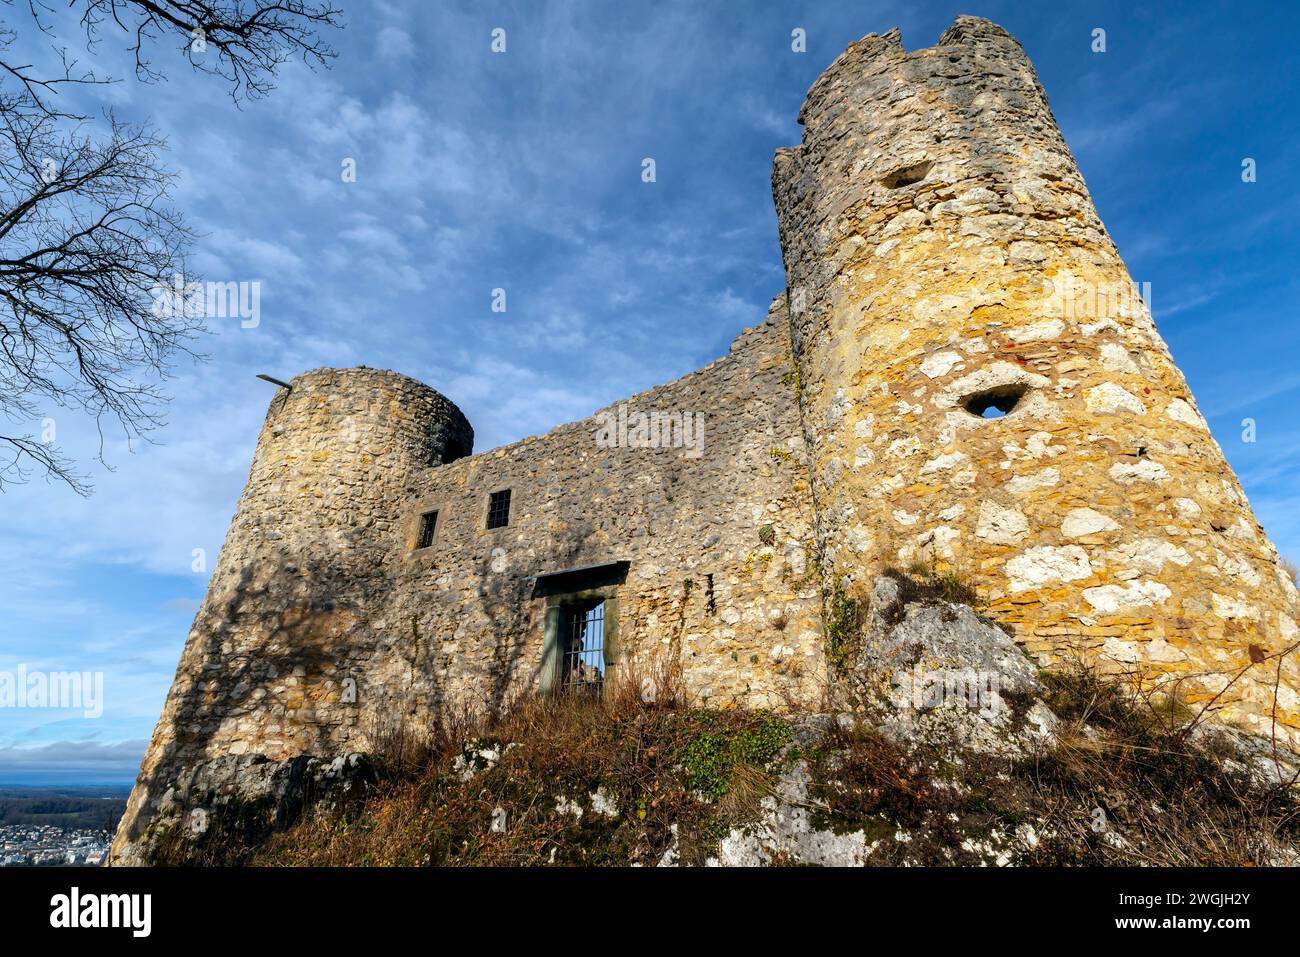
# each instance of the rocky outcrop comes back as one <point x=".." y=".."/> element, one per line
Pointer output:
<point x="964" y="709"/>
<point x="937" y="672"/>
<point x="236" y="802"/>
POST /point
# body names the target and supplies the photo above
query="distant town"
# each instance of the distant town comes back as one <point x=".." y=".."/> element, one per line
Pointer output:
<point x="49" y="845"/>
<point x="57" y="827"/>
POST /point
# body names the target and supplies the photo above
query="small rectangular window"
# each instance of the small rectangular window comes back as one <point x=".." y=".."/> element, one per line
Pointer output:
<point x="499" y="509"/>
<point x="428" y="525"/>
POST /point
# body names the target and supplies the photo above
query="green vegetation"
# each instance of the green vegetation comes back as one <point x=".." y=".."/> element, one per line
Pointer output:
<point x="793" y="379"/>
<point x="843" y="627"/>
<point x="711" y="759"/>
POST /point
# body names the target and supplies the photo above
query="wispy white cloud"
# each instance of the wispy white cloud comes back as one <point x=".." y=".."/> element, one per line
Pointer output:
<point x="392" y="43"/>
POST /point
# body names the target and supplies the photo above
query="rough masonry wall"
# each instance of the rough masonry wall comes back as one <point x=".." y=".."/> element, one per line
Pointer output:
<point x="325" y="627"/>
<point x="721" y="588"/>
<point x="940" y="244"/>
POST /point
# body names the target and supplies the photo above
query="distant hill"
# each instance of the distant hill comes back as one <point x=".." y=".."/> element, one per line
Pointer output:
<point x="90" y="808"/>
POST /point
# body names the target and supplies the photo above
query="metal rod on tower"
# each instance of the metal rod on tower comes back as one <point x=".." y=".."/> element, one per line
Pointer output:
<point x="274" y="381"/>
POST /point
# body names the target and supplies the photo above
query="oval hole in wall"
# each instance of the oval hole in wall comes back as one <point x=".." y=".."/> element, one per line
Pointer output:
<point x="994" y="403"/>
<point x="906" y="175"/>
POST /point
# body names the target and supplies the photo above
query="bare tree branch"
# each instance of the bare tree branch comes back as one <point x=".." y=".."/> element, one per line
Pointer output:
<point x="87" y="240"/>
<point x="243" y="42"/>
<point x="22" y="89"/>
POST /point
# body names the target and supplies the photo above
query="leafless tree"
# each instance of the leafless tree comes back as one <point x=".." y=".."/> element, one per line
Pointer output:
<point x="88" y="235"/>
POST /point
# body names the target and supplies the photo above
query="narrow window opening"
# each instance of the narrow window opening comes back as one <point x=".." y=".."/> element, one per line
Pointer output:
<point x="906" y="175"/>
<point x="499" y="509"/>
<point x="994" y="403"/>
<point x="428" y="525"/>
<point x="583" y="637"/>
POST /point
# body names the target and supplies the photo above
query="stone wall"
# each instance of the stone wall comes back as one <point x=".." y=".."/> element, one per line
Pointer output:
<point x="326" y="626"/>
<point x="942" y="250"/>
<point x="721" y="585"/>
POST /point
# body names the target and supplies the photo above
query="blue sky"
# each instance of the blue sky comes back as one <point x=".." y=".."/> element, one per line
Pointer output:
<point x="522" y="171"/>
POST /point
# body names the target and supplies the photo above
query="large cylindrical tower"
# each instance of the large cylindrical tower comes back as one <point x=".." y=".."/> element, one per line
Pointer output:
<point x="270" y="665"/>
<point x="945" y="264"/>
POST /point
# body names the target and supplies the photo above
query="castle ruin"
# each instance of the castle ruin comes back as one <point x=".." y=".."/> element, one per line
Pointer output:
<point x="956" y="375"/>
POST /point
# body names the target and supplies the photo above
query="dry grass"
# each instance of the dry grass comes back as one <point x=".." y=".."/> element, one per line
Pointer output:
<point x="677" y="776"/>
<point x="923" y="585"/>
<point x="1124" y="784"/>
<point x="1175" y="799"/>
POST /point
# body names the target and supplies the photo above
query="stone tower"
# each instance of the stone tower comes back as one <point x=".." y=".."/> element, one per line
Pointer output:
<point x="943" y="258"/>
<point x="302" y="578"/>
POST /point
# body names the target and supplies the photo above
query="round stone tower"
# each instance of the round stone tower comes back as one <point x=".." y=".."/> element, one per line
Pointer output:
<point x="288" y="623"/>
<point x="983" y="390"/>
